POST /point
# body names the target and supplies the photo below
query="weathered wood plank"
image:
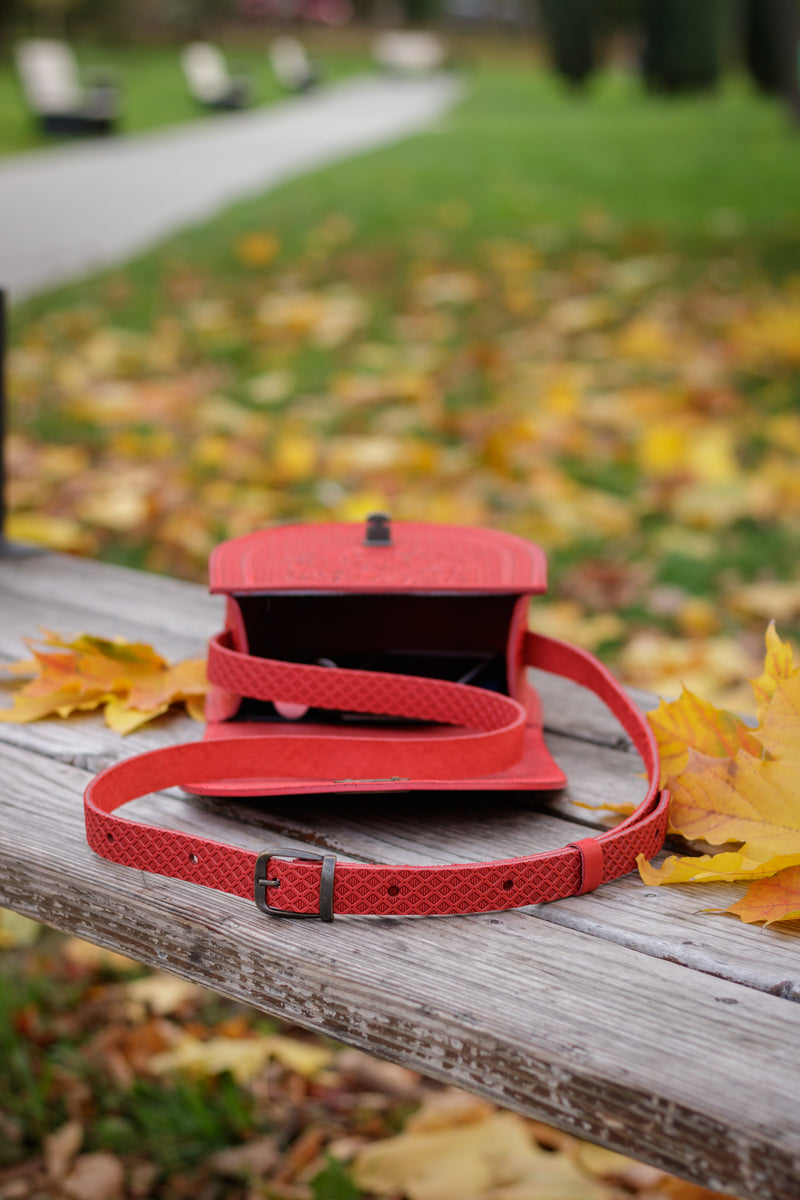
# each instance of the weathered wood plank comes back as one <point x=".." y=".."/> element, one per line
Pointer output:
<point x="545" y="1023"/>
<point x="628" y="994"/>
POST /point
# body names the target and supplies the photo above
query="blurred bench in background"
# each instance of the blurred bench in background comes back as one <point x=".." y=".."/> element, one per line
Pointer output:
<point x="208" y="79"/>
<point x="406" y="52"/>
<point x="291" y="65"/>
<point x="51" y="84"/>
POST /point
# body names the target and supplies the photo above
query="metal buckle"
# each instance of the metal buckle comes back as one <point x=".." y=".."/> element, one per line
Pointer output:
<point x="325" y="882"/>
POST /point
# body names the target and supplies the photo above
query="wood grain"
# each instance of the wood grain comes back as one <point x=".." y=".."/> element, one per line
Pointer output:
<point x="625" y="1016"/>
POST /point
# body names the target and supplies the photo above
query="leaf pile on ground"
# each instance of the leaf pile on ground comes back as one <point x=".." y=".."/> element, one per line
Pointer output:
<point x="634" y="413"/>
<point x="120" y="1084"/>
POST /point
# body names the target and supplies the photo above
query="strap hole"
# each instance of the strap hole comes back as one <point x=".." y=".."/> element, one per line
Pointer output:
<point x="110" y="837"/>
<point x="508" y="885"/>
<point x="394" y="890"/>
<point x="193" y="858"/>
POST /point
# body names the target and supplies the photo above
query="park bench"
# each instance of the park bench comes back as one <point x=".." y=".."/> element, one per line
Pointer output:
<point x="209" y="80"/>
<point x="629" y="1016"/>
<point x="409" y="52"/>
<point x="291" y="65"/>
<point x="54" y="93"/>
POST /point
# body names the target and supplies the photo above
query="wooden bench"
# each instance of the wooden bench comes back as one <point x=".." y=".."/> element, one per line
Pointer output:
<point x="54" y="93"/>
<point x="628" y="1016"/>
<point x="291" y="65"/>
<point x="409" y="52"/>
<point x="208" y="79"/>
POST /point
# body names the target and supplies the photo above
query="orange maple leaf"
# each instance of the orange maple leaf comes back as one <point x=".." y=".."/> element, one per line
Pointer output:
<point x="129" y="680"/>
<point x="774" y="899"/>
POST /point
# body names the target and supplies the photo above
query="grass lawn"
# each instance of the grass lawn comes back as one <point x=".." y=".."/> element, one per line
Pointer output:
<point x="576" y="318"/>
<point x="152" y="86"/>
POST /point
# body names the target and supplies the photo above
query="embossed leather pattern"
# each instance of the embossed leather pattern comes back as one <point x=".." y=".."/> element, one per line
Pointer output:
<point x="421" y="557"/>
<point x="497" y="721"/>
<point x="490" y="726"/>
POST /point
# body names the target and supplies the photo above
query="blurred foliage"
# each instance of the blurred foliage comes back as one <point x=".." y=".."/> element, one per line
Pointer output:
<point x="575" y="321"/>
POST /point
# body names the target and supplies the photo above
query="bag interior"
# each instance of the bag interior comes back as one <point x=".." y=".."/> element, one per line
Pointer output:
<point x="461" y="638"/>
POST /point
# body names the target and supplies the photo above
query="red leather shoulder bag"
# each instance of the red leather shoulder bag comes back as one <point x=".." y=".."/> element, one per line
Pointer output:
<point x="391" y="658"/>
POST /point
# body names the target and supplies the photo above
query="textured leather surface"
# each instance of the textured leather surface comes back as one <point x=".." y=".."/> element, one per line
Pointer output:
<point x="422" y="557"/>
<point x="592" y="863"/>
<point x="497" y="723"/>
<point x="361" y="888"/>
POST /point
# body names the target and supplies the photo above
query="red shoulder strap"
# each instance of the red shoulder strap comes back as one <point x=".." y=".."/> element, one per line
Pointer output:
<point x="286" y="883"/>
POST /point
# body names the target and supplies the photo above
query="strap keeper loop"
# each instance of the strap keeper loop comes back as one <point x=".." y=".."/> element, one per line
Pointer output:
<point x="591" y="852"/>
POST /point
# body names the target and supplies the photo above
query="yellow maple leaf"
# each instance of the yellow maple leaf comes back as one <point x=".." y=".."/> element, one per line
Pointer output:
<point x="778" y="664"/>
<point x="733" y="787"/>
<point x="692" y="723"/>
<point x="713" y="868"/>
<point x="129" y="680"/>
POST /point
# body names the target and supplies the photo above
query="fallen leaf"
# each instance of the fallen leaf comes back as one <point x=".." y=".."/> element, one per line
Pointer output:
<point x="123" y="719"/>
<point x="94" y="1177"/>
<point x="738" y="788"/>
<point x="56" y="532"/>
<point x="692" y="723"/>
<point x="304" y="1058"/>
<point x="16" y="930"/>
<point x="161" y="994"/>
<point x="616" y="1168"/>
<point x="244" y="1057"/>
<point x="727" y="866"/>
<point x="61" y="1148"/>
<point x="773" y="899"/>
<point x="776" y="599"/>
<point x="447" y="1109"/>
<point x="129" y="680"/>
<point x="778" y="665"/>
<point x="495" y="1158"/>
<point x="753" y="801"/>
<point x="93" y="958"/>
<point x="374" y="1074"/>
<point x="253" y="1158"/>
<point x="303" y="1153"/>
<point x="124" y="1051"/>
<point x="257" y="249"/>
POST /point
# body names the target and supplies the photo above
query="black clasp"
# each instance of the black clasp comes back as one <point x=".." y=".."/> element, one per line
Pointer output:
<point x="379" y="530"/>
<point x="262" y="882"/>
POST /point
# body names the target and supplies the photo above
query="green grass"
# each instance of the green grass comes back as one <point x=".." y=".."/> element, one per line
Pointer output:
<point x="152" y="86"/>
<point x="522" y="157"/>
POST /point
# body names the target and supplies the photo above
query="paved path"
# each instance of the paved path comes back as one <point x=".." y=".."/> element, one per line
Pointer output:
<point x="68" y="211"/>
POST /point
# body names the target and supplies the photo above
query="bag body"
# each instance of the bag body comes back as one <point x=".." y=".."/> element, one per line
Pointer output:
<point x="425" y="602"/>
